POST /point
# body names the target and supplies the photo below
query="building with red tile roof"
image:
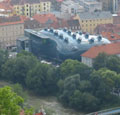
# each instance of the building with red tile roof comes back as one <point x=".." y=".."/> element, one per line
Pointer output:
<point x="10" y="29"/>
<point x="22" y="112"/>
<point x="43" y="18"/>
<point x="113" y="28"/>
<point x="110" y="49"/>
<point x="111" y="36"/>
<point x="116" y="19"/>
<point x="6" y="9"/>
<point x="50" y="20"/>
<point x="59" y="0"/>
<point x="39" y="113"/>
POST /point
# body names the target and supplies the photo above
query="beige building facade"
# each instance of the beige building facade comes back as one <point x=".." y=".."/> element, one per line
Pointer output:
<point x="30" y="10"/>
<point x="90" y="20"/>
<point x="9" y="32"/>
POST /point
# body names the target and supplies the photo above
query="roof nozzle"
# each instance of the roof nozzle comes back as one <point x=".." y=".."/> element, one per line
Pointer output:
<point x="86" y="35"/>
<point x="91" y="40"/>
<point x="99" y="38"/>
<point x="74" y="36"/>
<point x="66" y="39"/>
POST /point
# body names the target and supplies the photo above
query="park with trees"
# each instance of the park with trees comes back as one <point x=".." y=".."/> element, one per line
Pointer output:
<point x="76" y="85"/>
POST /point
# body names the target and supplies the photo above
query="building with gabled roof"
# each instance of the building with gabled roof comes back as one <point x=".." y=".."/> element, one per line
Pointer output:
<point x="113" y="28"/>
<point x="30" y="8"/>
<point x="10" y="29"/>
<point x="113" y="37"/>
<point x="110" y="49"/>
<point x="90" y="20"/>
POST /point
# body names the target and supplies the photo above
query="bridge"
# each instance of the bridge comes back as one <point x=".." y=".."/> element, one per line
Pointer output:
<point x="112" y="111"/>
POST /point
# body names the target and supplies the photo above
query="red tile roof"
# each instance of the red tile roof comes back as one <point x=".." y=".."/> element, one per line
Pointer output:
<point x="22" y="112"/>
<point x="107" y="28"/>
<point x="110" y="49"/>
<point x="59" y="0"/>
<point x="39" y="113"/>
<point x="116" y="19"/>
<point x="5" y="6"/>
<point x="111" y="36"/>
<point x="43" y="18"/>
<point x="11" y="20"/>
<point x="60" y="23"/>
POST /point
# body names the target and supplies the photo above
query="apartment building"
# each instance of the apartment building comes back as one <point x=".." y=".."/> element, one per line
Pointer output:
<point x="71" y="7"/>
<point x="91" y="5"/>
<point x="30" y="9"/>
<point x="6" y="9"/>
<point x="110" y="49"/>
<point x="90" y="20"/>
<point x="110" y="5"/>
<point x="10" y="29"/>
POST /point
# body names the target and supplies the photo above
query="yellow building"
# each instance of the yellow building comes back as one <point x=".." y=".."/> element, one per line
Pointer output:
<point x="31" y="9"/>
<point x="90" y="20"/>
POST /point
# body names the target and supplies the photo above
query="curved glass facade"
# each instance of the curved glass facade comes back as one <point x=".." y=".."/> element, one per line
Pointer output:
<point x="61" y="44"/>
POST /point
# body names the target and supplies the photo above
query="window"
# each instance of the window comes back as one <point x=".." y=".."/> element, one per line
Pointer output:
<point x="20" y="27"/>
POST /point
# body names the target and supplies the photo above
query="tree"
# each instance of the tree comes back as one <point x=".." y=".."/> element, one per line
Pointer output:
<point x="18" y="89"/>
<point x="71" y="84"/>
<point x="3" y="58"/>
<point x="103" y="83"/>
<point x="111" y="62"/>
<point x="70" y="67"/>
<point x="9" y="102"/>
<point x="16" y="69"/>
<point x="42" y="79"/>
<point x="100" y="61"/>
<point x="84" y="101"/>
<point x="75" y="94"/>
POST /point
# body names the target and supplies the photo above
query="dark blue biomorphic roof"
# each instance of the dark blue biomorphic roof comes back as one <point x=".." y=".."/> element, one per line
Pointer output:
<point x="70" y="42"/>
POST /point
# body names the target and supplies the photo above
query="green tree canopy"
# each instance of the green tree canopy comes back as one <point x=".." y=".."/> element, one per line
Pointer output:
<point x="75" y="94"/>
<point x="16" y="69"/>
<point x="111" y="62"/>
<point x="103" y="82"/>
<point x="100" y="61"/>
<point x="3" y="58"/>
<point x="42" y="79"/>
<point x="70" y="67"/>
<point x="9" y="102"/>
